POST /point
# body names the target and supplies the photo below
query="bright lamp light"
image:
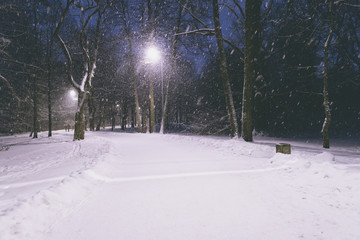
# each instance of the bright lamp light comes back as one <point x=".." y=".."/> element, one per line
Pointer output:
<point x="152" y="55"/>
<point x="73" y="94"/>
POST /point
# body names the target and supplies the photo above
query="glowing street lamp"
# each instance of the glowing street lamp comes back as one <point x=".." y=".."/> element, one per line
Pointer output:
<point x="152" y="55"/>
<point x="73" y="94"/>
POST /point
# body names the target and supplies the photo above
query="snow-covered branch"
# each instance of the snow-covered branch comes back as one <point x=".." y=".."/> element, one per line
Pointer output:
<point x="235" y="13"/>
<point x="83" y="33"/>
<point x="82" y="102"/>
<point x="64" y="47"/>
<point x="203" y="31"/>
<point x="193" y="15"/>
<point x="69" y="62"/>
<point x="211" y="32"/>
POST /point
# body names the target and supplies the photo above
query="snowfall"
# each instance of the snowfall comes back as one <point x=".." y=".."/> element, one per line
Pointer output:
<point x="131" y="186"/>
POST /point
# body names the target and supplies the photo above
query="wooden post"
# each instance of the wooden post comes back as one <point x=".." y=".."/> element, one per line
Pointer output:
<point x="283" y="148"/>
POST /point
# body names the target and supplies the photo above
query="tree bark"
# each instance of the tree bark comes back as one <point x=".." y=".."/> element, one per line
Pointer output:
<point x="49" y="90"/>
<point x="224" y="72"/>
<point x="152" y="15"/>
<point x="34" y="76"/>
<point x="252" y="47"/>
<point x="113" y="119"/>
<point x="84" y="87"/>
<point x="133" y="76"/>
<point x="326" y="104"/>
<point x="152" y="104"/>
<point x="92" y="111"/>
<point x="79" y="131"/>
<point x="124" y="115"/>
<point x="172" y="66"/>
<point x="35" y="108"/>
<point x="49" y="103"/>
<point x="165" y="109"/>
<point x="79" y="128"/>
<point x="132" y="66"/>
<point x="144" y="110"/>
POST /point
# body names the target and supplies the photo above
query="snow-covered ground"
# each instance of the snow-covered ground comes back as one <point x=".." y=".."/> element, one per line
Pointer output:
<point x="139" y="186"/>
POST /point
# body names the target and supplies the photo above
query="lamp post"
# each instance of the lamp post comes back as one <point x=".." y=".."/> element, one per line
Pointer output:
<point x="162" y="86"/>
<point x="153" y="56"/>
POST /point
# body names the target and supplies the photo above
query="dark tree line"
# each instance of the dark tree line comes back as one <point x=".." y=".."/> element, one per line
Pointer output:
<point x="239" y="68"/>
<point x="293" y="88"/>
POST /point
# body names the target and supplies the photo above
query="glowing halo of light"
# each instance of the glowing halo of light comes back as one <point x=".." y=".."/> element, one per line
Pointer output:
<point x="73" y="94"/>
<point x="152" y="55"/>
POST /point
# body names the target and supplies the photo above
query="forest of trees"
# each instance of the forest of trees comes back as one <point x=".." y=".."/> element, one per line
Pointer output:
<point x="282" y="68"/>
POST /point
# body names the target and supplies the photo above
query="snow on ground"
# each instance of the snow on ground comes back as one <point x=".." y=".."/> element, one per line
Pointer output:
<point x="142" y="186"/>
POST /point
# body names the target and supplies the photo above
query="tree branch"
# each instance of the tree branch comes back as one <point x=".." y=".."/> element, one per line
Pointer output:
<point x="10" y="87"/>
<point x="240" y="8"/>
<point x="235" y="13"/>
<point x="64" y="47"/>
<point x="203" y="31"/>
<point x="235" y="48"/>
<point x="193" y="15"/>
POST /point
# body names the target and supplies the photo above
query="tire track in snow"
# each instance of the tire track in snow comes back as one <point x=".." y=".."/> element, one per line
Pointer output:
<point x="106" y="179"/>
<point x="29" y="183"/>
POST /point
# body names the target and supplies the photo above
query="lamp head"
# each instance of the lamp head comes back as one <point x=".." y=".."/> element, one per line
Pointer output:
<point x="152" y="55"/>
<point x="73" y="94"/>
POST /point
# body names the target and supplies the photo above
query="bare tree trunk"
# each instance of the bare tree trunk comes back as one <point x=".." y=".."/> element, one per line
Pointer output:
<point x="133" y="120"/>
<point x="152" y="104"/>
<point x="172" y="66"/>
<point x="327" y="120"/>
<point x="152" y="14"/>
<point x="50" y="45"/>
<point x="98" y="125"/>
<point x="165" y="108"/>
<point x="113" y="119"/>
<point x="92" y="110"/>
<point x="133" y="75"/>
<point x="79" y="131"/>
<point x="35" y="87"/>
<point x="224" y="72"/>
<point x="49" y="103"/>
<point x="83" y="88"/>
<point x="252" y="47"/>
<point x="79" y="128"/>
<point x="145" y="109"/>
<point x="132" y="66"/>
<point x="35" y="108"/>
<point x="124" y="115"/>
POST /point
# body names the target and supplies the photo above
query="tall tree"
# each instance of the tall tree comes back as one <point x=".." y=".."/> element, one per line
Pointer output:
<point x="34" y="75"/>
<point x="152" y="13"/>
<point x="127" y="28"/>
<point x="87" y="11"/>
<point x="251" y="71"/>
<point x="326" y="103"/>
<point x="224" y="76"/>
<point x="51" y="21"/>
<point x="174" y="47"/>
<point x="224" y="72"/>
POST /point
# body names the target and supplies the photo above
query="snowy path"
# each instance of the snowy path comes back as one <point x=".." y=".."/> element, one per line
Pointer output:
<point x="134" y="186"/>
<point x="171" y="194"/>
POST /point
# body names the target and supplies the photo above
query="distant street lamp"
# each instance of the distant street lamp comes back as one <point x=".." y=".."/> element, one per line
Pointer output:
<point x="152" y="56"/>
<point x="73" y="94"/>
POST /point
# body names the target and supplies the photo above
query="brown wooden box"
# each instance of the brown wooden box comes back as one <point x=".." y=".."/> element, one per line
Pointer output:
<point x="283" y="148"/>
